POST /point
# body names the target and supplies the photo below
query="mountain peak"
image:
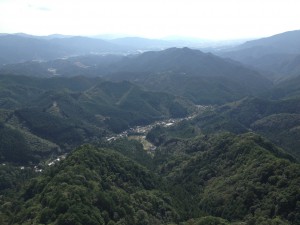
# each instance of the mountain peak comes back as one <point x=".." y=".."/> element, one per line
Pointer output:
<point x="183" y="49"/>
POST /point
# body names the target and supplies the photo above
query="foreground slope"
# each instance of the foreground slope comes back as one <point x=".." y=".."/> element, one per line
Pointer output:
<point x="94" y="186"/>
<point x="241" y="177"/>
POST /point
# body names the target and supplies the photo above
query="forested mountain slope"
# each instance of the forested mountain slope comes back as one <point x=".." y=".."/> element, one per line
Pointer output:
<point x="277" y="55"/>
<point x="242" y="179"/>
<point x="202" y="77"/>
<point x="53" y="115"/>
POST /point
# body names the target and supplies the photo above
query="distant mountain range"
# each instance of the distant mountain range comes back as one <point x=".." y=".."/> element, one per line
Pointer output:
<point x="15" y="48"/>
<point x="277" y="56"/>
<point x="204" y="78"/>
<point x="21" y="48"/>
<point x="201" y="77"/>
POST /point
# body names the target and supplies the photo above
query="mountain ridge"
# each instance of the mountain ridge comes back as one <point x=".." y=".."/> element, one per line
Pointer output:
<point x="178" y="70"/>
<point x="270" y="54"/>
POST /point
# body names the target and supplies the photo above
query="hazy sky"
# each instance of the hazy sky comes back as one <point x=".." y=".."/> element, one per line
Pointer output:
<point x="213" y="19"/>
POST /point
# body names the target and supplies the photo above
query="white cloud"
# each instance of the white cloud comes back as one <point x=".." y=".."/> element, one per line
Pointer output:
<point x="157" y="18"/>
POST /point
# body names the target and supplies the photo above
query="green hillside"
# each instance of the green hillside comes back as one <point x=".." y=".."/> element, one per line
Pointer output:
<point x="274" y="119"/>
<point x="218" y="179"/>
<point x="201" y="77"/>
<point x="240" y="177"/>
<point x="58" y="114"/>
<point x="95" y="186"/>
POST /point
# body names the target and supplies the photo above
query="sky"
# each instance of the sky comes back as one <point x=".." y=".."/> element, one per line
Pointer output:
<point x="206" y="19"/>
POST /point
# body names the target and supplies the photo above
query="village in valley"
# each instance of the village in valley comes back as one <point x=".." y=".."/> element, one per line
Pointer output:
<point x="139" y="133"/>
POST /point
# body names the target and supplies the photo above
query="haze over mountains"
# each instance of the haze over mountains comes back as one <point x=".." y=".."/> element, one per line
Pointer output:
<point x="201" y="77"/>
<point x="278" y="54"/>
<point x="141" y="131"/>
<point x="31" y="47"/>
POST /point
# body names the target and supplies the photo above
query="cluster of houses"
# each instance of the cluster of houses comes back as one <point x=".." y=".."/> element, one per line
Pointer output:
<point x="143" y="130"/>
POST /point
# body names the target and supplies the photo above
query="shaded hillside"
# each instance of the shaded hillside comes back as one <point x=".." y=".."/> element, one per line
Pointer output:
<point x="276" y="120"/>
<point x="291" y="67"/>
<point x="182" y="60"/>
<point x="202" y="77"/>
<point x="19" y="144"/>
<point x="289" y="88"/>
<point x="13" y="146"/>
<point x="277" y="54"/>
<point x="287" y="42"/>
<point x="204" y="90"/>
<point x="53" y="115"/>
<point x="19" y="91"/>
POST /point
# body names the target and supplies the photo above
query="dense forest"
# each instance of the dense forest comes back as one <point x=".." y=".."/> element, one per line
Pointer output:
<point x="176" y="136"/>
